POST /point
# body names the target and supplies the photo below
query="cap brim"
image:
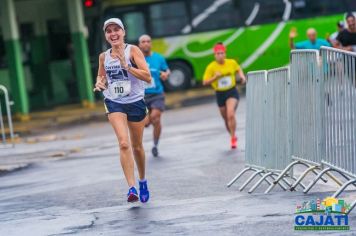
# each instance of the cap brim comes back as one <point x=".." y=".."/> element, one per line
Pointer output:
<point x="111" y="23"/>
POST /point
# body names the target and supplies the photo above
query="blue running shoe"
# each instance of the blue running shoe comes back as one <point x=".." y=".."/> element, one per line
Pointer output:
<point x="144" y="193"/>
<point x="132" y="195"/>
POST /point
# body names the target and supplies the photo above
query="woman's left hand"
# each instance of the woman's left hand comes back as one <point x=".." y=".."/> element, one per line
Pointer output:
<point x="120" y="54"/>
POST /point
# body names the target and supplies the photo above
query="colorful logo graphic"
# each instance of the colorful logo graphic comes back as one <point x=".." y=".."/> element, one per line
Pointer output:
<point x="329" y="214"/>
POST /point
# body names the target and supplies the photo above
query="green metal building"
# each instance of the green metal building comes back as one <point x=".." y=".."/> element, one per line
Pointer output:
<point x="44" y="56"/>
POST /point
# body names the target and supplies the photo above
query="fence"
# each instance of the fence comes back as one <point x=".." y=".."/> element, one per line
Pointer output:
<point x="339" y="75"/>
<point x="267" y="143"/>
<point x="3" y="127"/>
<point x="309" y="121"/>
<point x="254" y="137"/>
<point x="305" y="115"/>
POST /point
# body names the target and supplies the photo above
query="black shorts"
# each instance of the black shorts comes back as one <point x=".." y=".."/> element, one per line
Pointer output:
<point x="135" y="111"/>
<point x="155" y="101"/>
<point x="222" y="96"/>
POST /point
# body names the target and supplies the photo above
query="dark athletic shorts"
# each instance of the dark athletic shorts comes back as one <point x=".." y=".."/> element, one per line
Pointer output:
<point x="155" y="101"/>
<point x="135" y="111"/>
<point x="221" y="97"/>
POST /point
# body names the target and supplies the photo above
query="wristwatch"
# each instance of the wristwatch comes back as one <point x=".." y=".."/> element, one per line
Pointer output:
<point x="127" y="67"/>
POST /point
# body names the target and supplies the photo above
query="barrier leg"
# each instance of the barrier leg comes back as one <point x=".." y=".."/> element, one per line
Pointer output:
<point x="336" y="180"/>
<point x="279" y="183"/>
<point x="343" y="187"/>
<point x="282" y="174"/>
<point x="316" y="173"/>
<point x="352" y="207"/>
<point x="2" y="127"/>
<point x="9" y="117"/>
<point x="268" y="181"/>
<point x="301" y="177"/>
<point x="287" y="182"/>
<point x="238" y="176"/>
<point x="301" y="184"/>
<point x="259" y="182"/>
<point x="250" y="179"/>
<point x="316" y="179"/>
<point x="270" y="187"/>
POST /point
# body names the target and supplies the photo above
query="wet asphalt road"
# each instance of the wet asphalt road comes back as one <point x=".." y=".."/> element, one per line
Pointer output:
<point x="75" y="185"/>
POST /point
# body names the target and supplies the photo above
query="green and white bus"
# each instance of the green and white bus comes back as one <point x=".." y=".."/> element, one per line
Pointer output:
<point x="255" y="32"/>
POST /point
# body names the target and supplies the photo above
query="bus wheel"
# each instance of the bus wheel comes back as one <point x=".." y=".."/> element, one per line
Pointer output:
<point x="180" y="77"/>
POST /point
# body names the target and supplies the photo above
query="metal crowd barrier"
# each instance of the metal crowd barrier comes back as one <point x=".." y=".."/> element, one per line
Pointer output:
<point x="8" y="103"/>
<point x="339" y="78"/>
<point x="303" y="118"/>
<point x="306" y="125"/>
<point x="255" y="93"/>
<point x="267" y="140"/>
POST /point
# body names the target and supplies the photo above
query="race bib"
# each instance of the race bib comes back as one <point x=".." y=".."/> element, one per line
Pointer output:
<point x="120" y="88"/>
<point x="225" y="82"/>
<point x="150" y="85"/>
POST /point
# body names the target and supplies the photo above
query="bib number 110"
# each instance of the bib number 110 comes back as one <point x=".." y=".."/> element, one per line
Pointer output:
<point x="119" y="90"/>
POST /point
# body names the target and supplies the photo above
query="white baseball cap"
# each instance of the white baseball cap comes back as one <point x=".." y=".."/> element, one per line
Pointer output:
<point x="115" y="21"/>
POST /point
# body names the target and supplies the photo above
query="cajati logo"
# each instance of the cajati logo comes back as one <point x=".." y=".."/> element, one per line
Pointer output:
<point x="329" y="214"/>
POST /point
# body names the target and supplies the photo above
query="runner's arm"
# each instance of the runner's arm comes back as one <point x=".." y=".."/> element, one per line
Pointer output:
<point x="209" y="81"/>
<point x="101" y="77"/>
<point x="291" y="43"/>
<point x="164" y="74"/>
<point x="141" y="72"/>
<point x="338" y="45"/>
<point x="292" y="35"/>
<point x="164" y="71"/>
<point x="241" y="75"/>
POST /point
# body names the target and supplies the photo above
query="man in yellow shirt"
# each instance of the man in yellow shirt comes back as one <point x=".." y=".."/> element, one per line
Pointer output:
<point x="221" y="75"/>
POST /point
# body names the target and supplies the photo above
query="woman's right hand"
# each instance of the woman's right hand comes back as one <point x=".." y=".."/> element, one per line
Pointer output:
<point x="100" y="83"/>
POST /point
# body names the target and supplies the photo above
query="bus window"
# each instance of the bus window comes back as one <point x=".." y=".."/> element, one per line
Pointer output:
<point x="135" y="22"/>
<point x="313" y="8"/>
<point x="168" y="18"/>
<point x="206" y="15"/>
<point x="270" y="11"/>
<point x="350" y="5"/>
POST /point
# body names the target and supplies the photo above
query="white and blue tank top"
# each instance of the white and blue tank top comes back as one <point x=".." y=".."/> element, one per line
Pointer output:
<point x="123" y="87"/>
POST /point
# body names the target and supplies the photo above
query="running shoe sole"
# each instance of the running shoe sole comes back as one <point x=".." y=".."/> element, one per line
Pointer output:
<point x="144" y="198"/>
<point x="132" y="198"/>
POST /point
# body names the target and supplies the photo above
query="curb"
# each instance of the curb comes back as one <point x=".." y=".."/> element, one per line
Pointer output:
<point x="7" y="169"/>
<point x="74" y="114"/>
